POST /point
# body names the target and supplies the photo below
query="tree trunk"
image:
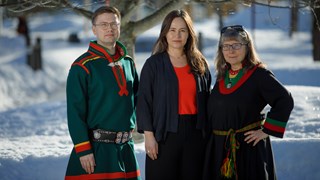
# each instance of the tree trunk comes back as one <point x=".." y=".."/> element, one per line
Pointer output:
<point x="294" y="19"/>
<point x="131" y="29"/>
<point x="253" y="21"/>
<point x="128" y="39"/>
<point x="1" y="21"/>
<point x="316" y="35"/>
<point x="220" y="17"/>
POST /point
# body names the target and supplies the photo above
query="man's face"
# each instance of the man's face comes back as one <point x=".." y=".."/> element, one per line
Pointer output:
<point x="107" y="29"/>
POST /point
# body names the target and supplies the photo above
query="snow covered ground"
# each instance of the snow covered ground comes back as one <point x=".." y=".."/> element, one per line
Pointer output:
<point x="34" y="139"/>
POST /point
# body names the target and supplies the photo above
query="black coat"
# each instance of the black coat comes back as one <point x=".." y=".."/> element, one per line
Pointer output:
<point x="157" y="106"/>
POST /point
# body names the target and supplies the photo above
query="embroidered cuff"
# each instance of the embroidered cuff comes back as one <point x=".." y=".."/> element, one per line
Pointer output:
<point x="274" y="127"/>
<point x="83" y="148"/>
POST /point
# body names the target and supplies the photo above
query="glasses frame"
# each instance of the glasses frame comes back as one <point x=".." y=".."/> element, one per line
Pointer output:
<point x="234" y="46"/>
<point x="105" y="25"/>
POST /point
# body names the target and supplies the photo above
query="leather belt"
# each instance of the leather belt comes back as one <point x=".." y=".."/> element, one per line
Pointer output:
<point x="100" y="135"/>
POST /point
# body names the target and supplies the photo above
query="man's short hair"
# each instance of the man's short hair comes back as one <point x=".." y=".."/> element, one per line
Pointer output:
<point x="105" y="9"/>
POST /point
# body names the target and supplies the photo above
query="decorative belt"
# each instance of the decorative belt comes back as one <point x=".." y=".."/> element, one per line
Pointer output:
<point x="100" y="135"/>
<point x="229" y="168"/>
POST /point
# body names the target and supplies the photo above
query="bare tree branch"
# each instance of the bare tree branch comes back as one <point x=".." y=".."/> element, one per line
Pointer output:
<point x="152" y="20"/>
<point x="130" y="7"/>
<point x="300" y="4"/>
<point x="77" y="9"/>
<point x="317" y="5"/>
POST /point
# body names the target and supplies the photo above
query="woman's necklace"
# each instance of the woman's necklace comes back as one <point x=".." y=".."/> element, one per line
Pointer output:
<point x="233" y="79"/>
<point x="229" y="84"/>
<point x="232" y="72"/>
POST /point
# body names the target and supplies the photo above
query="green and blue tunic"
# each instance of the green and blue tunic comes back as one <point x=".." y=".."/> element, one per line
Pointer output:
<point x="101" y="93"/>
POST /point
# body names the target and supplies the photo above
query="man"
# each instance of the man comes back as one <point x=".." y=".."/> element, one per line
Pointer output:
<point x="101" y="91"/>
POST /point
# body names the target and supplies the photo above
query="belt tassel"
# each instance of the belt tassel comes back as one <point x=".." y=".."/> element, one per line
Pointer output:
<point x="229" y="166"/>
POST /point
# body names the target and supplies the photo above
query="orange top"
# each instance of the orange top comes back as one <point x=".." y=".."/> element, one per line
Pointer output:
<point x="187" y="90"/>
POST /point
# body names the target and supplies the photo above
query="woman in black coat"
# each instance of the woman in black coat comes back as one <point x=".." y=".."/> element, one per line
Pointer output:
<point x="171" y="108"/>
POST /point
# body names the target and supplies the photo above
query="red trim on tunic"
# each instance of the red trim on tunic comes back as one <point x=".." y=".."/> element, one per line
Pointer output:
<point x="116" y="69"/>
<point x="82" y="147"/>
<point x="81" y="65"/>
<point x="273" y="127"/>
<point x="122" y="85"/>
<point x="244" y="78"/>
<point x="85" y="58"/>
<point x="115" y="175"/>
<point x="102" y="50"/>
<point x="116" y="55"/>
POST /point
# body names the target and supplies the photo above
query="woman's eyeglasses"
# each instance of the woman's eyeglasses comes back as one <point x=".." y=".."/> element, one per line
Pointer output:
<point x="238" y="28"/>
<point x="235" y="46"/>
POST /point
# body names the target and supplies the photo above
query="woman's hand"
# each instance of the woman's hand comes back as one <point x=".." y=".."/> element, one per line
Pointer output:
<point x="88" y="163"/>
<point x="255" y="136"/>
<point x="151" y="145"/>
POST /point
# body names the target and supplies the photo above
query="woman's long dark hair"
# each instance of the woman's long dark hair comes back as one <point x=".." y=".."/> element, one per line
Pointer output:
<point x="195" y="58"/>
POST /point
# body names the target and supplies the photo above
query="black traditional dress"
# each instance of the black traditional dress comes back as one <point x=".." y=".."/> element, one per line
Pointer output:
<point x="235" y="110"/>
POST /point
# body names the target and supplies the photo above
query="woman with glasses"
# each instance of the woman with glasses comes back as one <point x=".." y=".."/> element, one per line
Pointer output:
<point x="171" y="109"/>
<point x="239" y="146"/>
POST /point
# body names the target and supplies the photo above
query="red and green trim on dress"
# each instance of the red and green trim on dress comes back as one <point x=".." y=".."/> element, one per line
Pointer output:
<point x="271" y="126"/>
<point x="115" y="175"/>
<point x="274" y="127"/>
